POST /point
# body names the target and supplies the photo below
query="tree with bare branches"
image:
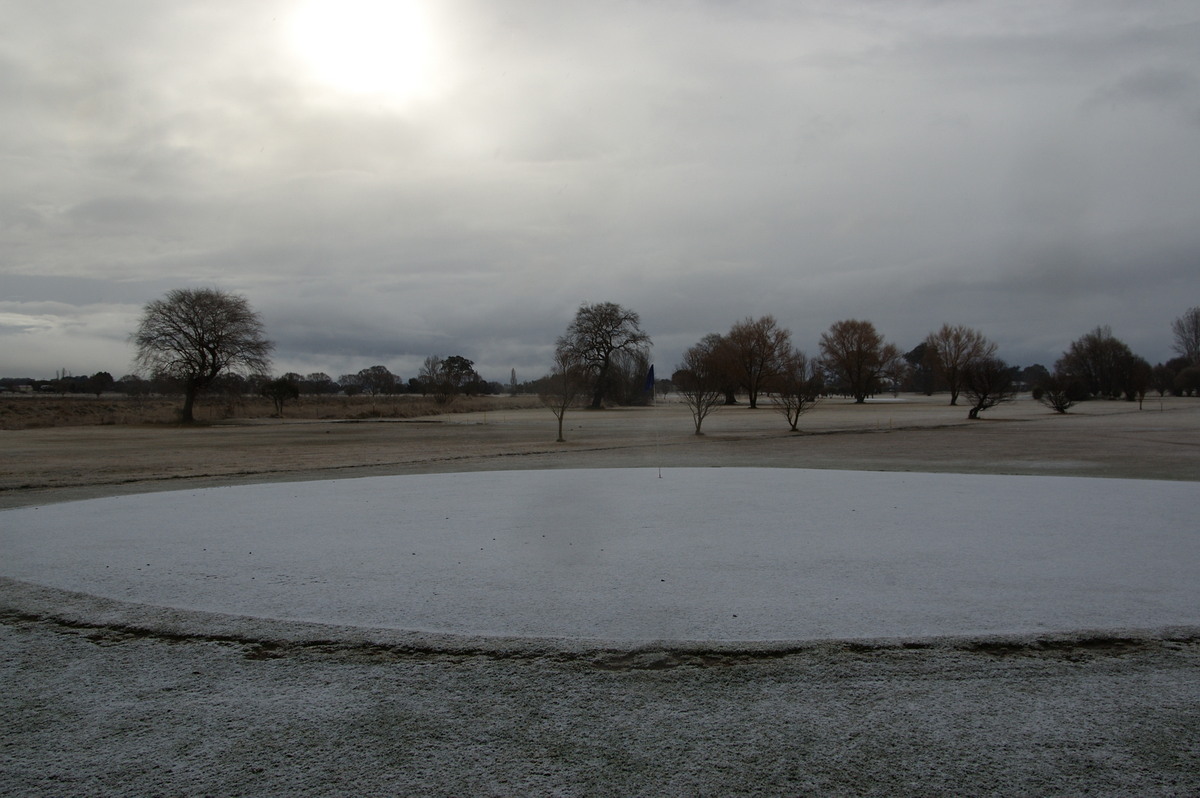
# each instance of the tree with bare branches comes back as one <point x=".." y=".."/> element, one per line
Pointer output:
<point x="195" y="335"/>
<point x="280" y="391"/>
<point x="987" y="382"/>
<point x="699" y="378"/>
<point x="597" y="338"/>
<point x="1058" y="392"/>
<point x="857" y="356"/>
<point x="757" y="349"/>
<point x="1186" y="330"/>
<point x="1099" y="361"/>
<point x="723" y="358"/>
<point x="564" y="386"/>
<point x="797" y="387"/>
<point x="952" y="350"/>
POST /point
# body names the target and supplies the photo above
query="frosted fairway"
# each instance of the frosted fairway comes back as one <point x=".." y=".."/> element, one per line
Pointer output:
<point x="624" y="555"/>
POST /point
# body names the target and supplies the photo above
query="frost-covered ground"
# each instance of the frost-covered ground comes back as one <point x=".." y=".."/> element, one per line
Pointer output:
<point x="1013" y="635"/>
<point x="732" y="554"/>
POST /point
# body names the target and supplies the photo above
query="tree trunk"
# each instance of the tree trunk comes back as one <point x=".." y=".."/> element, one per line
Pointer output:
<point x="601" y="386"/>
<point x="189" y="400"/>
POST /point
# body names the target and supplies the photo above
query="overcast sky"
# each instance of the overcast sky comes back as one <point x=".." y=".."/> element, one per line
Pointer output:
<point x="384" y="182"/>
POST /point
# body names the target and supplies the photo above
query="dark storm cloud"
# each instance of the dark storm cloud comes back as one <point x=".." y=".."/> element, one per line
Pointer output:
<point x="1012" y="166"/>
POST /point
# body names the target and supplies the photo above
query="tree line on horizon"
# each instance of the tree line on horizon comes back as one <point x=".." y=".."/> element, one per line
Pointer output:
<point x="756" y="358"/>
<point x="196" y="340"/>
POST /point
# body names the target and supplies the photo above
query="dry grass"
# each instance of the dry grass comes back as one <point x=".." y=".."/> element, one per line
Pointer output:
<point x="32" y="412"/>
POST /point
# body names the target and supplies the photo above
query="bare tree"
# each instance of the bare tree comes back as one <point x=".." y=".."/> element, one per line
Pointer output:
<point x="447" y="377"/>
<point x="756" y="351"/>
<point x="986" y="383"/>
<point x="429" y="374"/>
<point x="317" y="382"/>
<point x="1137" y="376"/>
<point x="921" y="371"/>
<point x="952" y="350"/>
<point x="598" y="333"/>
<point x="1057" y="392"/>
<point x="563" y="387"/>
<point x="1099" y="361"/>
<point x="857" y="356"/>
<point x="1162" y="378"/>
<point x="280" y="391"/>
<point x="1186" y="329"/>
<point x="699" y="379"/>
<point x="724" y="365"/>
<point x="797" y="387"/>
<point x="1187" y="382"/>
<point x="196" y="334"/>
<point x="628" y="379"/>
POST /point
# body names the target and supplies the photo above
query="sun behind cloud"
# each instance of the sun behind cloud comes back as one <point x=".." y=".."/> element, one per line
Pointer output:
<point x="382" y="50"/>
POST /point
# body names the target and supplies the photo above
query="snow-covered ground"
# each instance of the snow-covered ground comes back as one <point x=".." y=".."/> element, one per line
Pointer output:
<point x="733" y="554"/>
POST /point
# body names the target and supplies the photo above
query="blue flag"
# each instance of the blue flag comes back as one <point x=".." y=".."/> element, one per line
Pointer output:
<point x="649" y="379"/>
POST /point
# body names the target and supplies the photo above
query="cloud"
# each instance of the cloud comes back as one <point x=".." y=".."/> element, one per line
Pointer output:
<point x="42" y="337"/>
<point x="1004" y="165"/>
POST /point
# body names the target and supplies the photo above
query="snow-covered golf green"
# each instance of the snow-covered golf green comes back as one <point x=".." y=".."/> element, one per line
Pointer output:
<point x="732" y="554"/>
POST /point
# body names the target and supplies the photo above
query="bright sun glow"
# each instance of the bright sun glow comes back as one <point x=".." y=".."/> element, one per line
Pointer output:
<point x="377" y="48"/>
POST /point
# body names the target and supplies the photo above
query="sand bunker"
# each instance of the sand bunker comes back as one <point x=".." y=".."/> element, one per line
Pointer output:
<point x="733" y="554"/>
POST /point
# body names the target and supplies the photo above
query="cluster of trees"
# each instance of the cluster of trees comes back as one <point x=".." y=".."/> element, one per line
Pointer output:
<point x="756" y="357"/>
<point x="198" y="339"/>
<point x="1099" y="365"/>
<point x="445" y="378"/>
<point x="195" y="339"/>
<point x="65" y="382"/>
<point x="604" y="355"/>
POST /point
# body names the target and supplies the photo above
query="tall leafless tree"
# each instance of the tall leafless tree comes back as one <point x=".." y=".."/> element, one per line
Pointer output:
<point x="856" y="355"/>
<point x="194" y="335"/>
<point x="757" y="349"/>
<point x="1186" y="330"/>
<point x="724" y="363"/>
<point x="596" y="336"/>
<point x="952" y="350"/>
<point x="1099" y="361"/>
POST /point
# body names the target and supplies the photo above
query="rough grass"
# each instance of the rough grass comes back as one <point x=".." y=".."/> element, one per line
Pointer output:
<point x="29" y="412"/>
